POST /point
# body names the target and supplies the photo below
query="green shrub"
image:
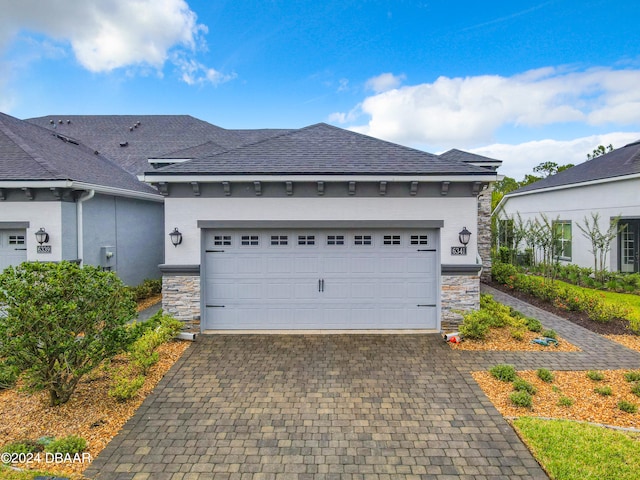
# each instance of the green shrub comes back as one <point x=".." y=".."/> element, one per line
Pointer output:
<point x="521" y="385"/>
<point x="504" y="273"/>
<point x="123" y="388"/>
<point x="627" y="406"/>
<point x="521" y="399"/>
<point x="550" y="334"/>
<point x="67" y="445"/>
<point x="636" y="389"/>
<point x="604" y="391"/>
<point x="565" y="401"/>
<point x="517" y="333"/>
<point x="505" y="373"/>
<point x="632" y="376"/>
<point x="22" y="446"/>
<point x="61" y="321"/>
<point x="475" y="324"/>
<point x="545" y="375"/>
<point x="8" y="375"/>
<point x="533" y="324"/>
<point x="595" y="376"/>
<point x="146" y="289"/>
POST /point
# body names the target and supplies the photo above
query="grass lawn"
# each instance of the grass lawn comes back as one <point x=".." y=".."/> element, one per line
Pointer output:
<point x="570" y="450"/>
<point x="9" y="474"/>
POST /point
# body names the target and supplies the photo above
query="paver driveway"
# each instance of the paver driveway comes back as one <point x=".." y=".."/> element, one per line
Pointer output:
<point x="326" y="406"/>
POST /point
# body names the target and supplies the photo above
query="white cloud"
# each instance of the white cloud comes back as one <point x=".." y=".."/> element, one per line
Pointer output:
<point x="108" y="34"/>
<point x="520" y="159"/>
<point x="195" y="73"/>
<point x="384" y="82"/>
<point x="465" y="112"/>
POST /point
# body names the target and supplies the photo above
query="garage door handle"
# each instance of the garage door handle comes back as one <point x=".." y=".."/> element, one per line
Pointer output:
<point x="19" y="248"/>
<point x="426" y="305"/>
<point x="323" y="284"/>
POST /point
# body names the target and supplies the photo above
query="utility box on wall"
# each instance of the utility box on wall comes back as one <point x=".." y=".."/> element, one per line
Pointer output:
<point x="108" y="258"/>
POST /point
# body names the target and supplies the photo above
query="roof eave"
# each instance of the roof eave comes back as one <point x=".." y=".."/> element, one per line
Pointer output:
<point x="164" y="177"/>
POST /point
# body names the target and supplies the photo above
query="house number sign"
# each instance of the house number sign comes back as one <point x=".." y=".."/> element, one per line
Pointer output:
<point x="44" y="249"/>
<point x="458" y="250"/>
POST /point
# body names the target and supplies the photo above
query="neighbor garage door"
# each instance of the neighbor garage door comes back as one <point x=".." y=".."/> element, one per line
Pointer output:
<point x="320" y="279"/>
<point x="13" y="248"/>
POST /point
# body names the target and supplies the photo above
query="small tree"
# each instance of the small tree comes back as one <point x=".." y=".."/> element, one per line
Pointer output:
<point x="60" y="322"/>
<point x="600" y="241"/>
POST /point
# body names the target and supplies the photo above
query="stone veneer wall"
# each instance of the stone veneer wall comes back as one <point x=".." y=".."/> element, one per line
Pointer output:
<point x="181" y="298"/>
<point x="484" y="231"/>
<point x="459" y="293"/>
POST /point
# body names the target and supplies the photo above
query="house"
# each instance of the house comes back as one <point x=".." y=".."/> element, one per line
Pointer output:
<point x="61" y="200"/>
<point x="608" y="185"/>
<point x="319" y="228"/>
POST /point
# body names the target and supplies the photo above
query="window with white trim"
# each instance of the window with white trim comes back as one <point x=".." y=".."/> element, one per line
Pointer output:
<point x="562" y="232"/>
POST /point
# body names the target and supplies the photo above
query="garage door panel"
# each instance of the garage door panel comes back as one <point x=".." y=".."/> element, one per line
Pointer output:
<point x="13" y="248"/>
<point x="294" y="285"/>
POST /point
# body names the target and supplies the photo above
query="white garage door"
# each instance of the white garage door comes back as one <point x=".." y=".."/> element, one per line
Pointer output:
<point x="320" y="279"/>
<point x="13" y="248"/>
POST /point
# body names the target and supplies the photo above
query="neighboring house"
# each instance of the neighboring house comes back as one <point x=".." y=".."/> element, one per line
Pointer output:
<point x="319" y="228"/>
<point x="85" y="207"/>
<point x="608" y="185"/>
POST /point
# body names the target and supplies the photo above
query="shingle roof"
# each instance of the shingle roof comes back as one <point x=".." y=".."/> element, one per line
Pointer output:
<point x="621" y="162"/>
<point x="29" y="152"/>
<point x="321" y="149"/>
<point x="461" y="155"/>
<point x="153" y="137"/>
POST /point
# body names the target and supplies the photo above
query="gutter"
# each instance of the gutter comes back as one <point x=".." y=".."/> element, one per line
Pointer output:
<point x="87" y="195"/>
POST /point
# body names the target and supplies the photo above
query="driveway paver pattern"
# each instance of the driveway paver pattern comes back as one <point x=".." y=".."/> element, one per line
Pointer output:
<point x="333" y="406"/>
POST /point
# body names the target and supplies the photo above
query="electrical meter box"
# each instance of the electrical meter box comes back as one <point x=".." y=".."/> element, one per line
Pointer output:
<point x="108" y="258"/>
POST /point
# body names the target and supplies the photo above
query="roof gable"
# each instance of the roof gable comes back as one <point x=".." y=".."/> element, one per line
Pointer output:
<point x="321" y="149"/>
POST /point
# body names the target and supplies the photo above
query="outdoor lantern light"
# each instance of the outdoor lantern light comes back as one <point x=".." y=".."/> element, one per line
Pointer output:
<point x="42" y="236"/>
<point x="464" y="236"/>
<point x="176" y="237"/>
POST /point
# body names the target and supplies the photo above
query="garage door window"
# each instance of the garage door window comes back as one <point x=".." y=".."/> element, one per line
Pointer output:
<point x="419" y="240"/>
<point x="306" y="239"/>
<point x="16" y="239"/>
<point x="279" y="240"/>
<point x="362" y="240"/>
<point x="249" y="240"/>
<point x="391" y="240"/>
<point x="335" y="239"/>
<point x="222" y="240"/>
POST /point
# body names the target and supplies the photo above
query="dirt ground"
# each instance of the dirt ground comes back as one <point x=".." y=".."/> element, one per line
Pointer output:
<point x="90" y="413"/>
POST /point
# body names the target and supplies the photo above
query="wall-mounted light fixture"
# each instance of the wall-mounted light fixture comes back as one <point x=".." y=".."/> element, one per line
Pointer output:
<point x="176" y="237"/>
<point x="42" y="236"/>
<point x="464" y="236"/>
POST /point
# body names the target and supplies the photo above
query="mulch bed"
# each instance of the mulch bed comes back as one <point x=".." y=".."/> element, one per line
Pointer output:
<point x="616" y="326"/>
<point x="500" y="340"/>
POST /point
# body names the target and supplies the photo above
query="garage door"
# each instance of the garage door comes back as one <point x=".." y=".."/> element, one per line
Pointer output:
<point x="13" y="248"/>
<point x="320" y="279"/>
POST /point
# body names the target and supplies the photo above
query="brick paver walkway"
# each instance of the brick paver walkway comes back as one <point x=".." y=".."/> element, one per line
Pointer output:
<point x="335" y="406"/>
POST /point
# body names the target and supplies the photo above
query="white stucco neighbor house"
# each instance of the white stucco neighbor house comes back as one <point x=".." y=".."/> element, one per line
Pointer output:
<point x="319" y="228"/>
<point x="61" y="200"/>
<point x="608" y="185"/>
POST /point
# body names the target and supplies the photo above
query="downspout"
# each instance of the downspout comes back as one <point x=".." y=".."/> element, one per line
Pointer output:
<point x="87" y="195"/>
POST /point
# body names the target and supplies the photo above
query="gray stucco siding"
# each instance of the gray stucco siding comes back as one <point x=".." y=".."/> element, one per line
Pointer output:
<point x="133" y="227"/>
<point x="69" y="220"/>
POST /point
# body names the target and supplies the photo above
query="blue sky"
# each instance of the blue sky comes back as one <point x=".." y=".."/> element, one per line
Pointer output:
<point x="521" y="81"/>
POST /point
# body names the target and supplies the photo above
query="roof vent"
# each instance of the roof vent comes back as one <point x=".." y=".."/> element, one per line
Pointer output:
<point x="124" y="144"/>
<point x="96" y="152"/>
<point x="131" y="129"/>
<point x="138" y="122"/>
<point x="68" y="122"/>
<point x="51" y="122"/>
<point x="60" y="121"/>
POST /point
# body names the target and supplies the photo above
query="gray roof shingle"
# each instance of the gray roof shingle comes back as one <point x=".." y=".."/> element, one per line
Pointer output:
<point x="462" y="156"/>
<point x="29" y="152"/>
<point x="321" y="149"/>
<point x="621" y="162"/>
<point x="154" y="137"/>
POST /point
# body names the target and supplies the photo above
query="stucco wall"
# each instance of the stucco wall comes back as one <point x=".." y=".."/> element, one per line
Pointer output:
<point x="39" y="214"/>
<point x="574" y="204"/>
<point x="133" y="227"/>
<point x="184" y="214"/>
